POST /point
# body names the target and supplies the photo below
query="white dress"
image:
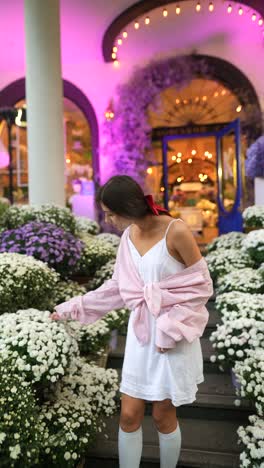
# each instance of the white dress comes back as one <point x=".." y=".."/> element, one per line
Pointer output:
<point x="148" y="374"/>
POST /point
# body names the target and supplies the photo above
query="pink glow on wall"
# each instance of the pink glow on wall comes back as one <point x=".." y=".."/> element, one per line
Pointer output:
<point x="4" y="156"/>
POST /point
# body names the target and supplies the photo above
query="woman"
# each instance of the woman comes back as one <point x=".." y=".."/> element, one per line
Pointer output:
<point x="161" y="277"/>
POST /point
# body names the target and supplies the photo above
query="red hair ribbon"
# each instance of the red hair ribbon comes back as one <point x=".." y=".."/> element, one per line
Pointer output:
<point x="154" y="208"/>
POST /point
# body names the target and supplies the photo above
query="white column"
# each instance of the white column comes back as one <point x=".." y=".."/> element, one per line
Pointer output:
<point x="44" y="102"/>
<point x="259" y="190"/>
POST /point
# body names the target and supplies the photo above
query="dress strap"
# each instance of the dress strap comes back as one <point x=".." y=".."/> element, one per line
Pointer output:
<point x="169" y="225"/>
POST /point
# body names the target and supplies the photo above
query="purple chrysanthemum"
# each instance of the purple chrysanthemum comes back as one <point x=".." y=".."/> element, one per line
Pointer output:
<point x="46" y="242"/>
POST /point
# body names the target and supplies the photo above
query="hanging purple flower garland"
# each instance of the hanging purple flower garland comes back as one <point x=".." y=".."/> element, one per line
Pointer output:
<point x="128" y="135"/>
<point x="255" y="159"/>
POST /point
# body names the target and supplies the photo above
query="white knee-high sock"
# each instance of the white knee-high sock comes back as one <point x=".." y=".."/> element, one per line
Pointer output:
<point x="170" y="447"/>
<point x="130" y="448"/>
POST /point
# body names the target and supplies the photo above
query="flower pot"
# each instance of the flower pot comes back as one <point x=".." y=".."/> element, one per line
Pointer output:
<point x="235" y="382"/>
<point x="259" y="190"/>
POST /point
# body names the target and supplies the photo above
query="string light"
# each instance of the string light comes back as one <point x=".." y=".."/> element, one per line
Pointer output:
<point x="173" y="158"/>
<point x="194" y="152"/>
<point x="68" y="160"/>
<point x="260" y="22"/>
<point x="239" y="108"/>
<point x="136" y="25"/>
<point x="240" y="11"/>
<point x="204" y="98"/>
<point x="229" y="9"/>
<point x="190" y="160"/>
<point x="116" y="63"/>
<point x="198" y="6"/>
<point x="179" y="154"/>
<point x="223" y="92"/>
<point x="149" y="170"/>
<point x="254" y="17"/>
<point x="216" y="94"/>
<point x="211" y="6"/>
<point x="124" y="34"/>
<point x="178" y="160"/>
<point x="119" y="41"/>
<point x="147" y="20"/>
<point x="178" y="10"/>
<point x="165" y="12"/>
<point x="162" y="189"/>
<point x="115" y="49"/>
<point x="177" y="101"/>
<point x="113" y="55"/>
<point x="179" y="179"/>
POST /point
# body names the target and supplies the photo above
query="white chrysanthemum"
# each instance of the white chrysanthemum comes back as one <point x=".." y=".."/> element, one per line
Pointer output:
<point x="254" y="216"/>
<point x="252" y="438"/>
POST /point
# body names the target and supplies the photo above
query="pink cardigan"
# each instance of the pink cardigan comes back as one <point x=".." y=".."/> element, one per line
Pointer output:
<point x="177" y="302"/>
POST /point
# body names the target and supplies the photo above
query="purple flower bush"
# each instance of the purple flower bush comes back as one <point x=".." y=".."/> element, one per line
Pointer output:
<point x="46" y="242"/>
<point x="255" y="159"/>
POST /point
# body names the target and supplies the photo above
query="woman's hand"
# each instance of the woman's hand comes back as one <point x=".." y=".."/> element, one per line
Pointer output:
<point x="55" y="316"/>
<point x="162" y="350"/>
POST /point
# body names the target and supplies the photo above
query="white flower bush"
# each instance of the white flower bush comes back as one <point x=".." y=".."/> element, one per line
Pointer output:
<point x="91" y="338"/>
<point x="253" y="244"/>
<point x="222" y="261"/>
<point x="73" y="417"/>
<point x="16" y="216"/>
<point x="94" y="255"/>
<point x="112" y="239"/>
<point x="253" y="216"/>
<point x="24" y="282"/>
<point x="244" y="280"/>
<point x="236" y="304"/>
<point x="250" y="375"/>
<point x="40" y="347"/>
<point x="117" y="319"/>
<point x="232" y="240"/>
<point x="232" y="340"/>
<point x="65" y="290"/>
<point x="252" y="438"/>
<point x="101" y="275"/>
<point x="86" y="226"/>
<point x="21" y="433"/>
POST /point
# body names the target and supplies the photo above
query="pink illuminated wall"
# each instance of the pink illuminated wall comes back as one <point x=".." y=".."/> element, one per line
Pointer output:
<point x="232" y="37"/>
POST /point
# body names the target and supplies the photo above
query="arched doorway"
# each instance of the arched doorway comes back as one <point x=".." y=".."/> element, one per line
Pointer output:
<point x="80" y="137"/>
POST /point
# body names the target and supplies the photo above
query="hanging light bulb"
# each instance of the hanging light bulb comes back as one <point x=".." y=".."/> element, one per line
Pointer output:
<point x="136" y="25"/>
<point x="240" y="11"/>
<point x="178" y="10"/>
<point x="149" y="170"/>
<point x="198" y="6"/>
<point x="254" y="17"/>
<point x="116" y="63"/>
<point x="229" y="9"/>
<point x="211" y="7"/>
<point x="239" y="108"/>
<point x="260" y="22"/>
<point x="115" y="49"/>
<point x="119" y="41"/>
<point x="113" y="55"/>
<point x="124" y="34"/>
<point x="165" y="12"/>
<point x="147" y="20"/>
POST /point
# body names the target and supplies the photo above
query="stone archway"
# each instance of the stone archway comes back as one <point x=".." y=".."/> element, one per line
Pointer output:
<point x="16" y="91"/>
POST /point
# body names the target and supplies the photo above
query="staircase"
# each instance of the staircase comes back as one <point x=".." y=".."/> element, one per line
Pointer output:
<point x="208" y="426"/>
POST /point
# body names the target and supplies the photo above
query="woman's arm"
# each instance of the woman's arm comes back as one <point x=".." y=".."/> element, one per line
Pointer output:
<point x="182" y="243"/>
<point x="93" y="305"/>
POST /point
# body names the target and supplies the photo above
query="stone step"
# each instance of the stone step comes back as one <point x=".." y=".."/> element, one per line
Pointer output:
<point x="214" y="401"/>
<point x="205" y="443"/>
<point x="115" y="359"/>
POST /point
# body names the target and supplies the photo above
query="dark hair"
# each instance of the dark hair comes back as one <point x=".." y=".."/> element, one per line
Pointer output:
<point x="124" y="197"/>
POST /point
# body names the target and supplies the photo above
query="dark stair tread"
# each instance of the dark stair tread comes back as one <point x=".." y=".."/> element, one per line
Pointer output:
<point x="118" y="352"/>
<point x="205" y="442"/>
